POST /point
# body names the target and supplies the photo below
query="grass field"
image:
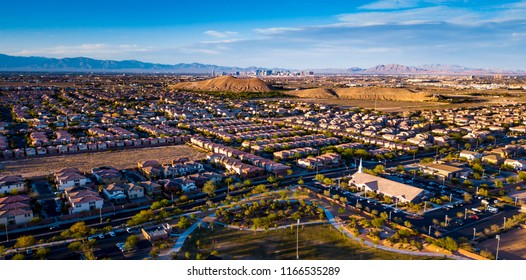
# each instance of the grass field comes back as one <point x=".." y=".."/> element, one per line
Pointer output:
<point x="321" y="242"/>
<point x="512" y="244"/>
<point x="119" y="159"/>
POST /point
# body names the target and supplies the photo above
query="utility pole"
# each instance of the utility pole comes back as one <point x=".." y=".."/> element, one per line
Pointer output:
<point x="429" y="230"/>
<point x="100" y="214"/>
<point x="474" y="234"/>
<point x="465" y="213"/>
<point x="498" y="243"/>
<point x="446" y="220"/>
<point x="297" y="240"/>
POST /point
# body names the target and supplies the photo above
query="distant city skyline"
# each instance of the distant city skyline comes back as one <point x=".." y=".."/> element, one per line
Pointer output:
<point x="285" y="34"/>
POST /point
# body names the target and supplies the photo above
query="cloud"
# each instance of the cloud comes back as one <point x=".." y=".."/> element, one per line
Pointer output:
<point x="412" y="16"/>
<point x="398" y="4"/>
<point x="96" y="49"/>
<point x="276" y="30"/>
<point x="220" y="34"/>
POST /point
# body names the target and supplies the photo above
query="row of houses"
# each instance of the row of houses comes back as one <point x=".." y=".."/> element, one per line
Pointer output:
<point x="299" y="152"/>
<point x="329" y="159"/>
<point x="297" y="144"/>
<point x="178" y="167"/>
<point x="236" y="166"/>
<point x="262" y="142"/>
<point x="15" y="210"/>
<point x="266" y="164"/>
<point x="98" y="146"/>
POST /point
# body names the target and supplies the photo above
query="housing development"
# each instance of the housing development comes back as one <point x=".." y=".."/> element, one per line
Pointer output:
<point x="131" y="167"/>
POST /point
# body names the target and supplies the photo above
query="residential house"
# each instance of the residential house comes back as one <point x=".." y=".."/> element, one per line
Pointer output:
<point x="517" y="164"/>
<point x="15" y="210"/>
<point x="133" y="191"/>
<point x="469" y="155"/>
<point x="444" y="170"/>
<point x="106" y="174"/>
<point x="151" y="188"/>
<point x="155" y="233"/>
<point x="70" y="177"/>
<point x="83" y="199"/>
<point x="114" y="193"/>
<point x="12" y="182"/>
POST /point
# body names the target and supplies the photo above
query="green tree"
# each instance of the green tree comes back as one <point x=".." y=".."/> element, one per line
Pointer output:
<point x="487" y="254"/>
<point x="18" y="257"/>
<point x="25" y="241"/>
<point x="187" y="255"/>
<point x="319" y="177"/>
<point x="498" y="184"/>
<point x="209" y="188"/>
<point x="271" y="179"/>
<point x="467" y="197"/>
<point x="328" y="181"/>
<point x="379" y="169"/>
<point x="290" y="172"/>
<point x="511" y="180"/>
<point x="377" y="222"/>
<point x="131" y="242"/>
<point x="301" y="182"/>
<point x="259" y="189"/>
<point x="141" y="218"/>
<point x="247" y="183"/>
<point x="79" y="230"/>
<point x="42" y="253"/>
<point x="400" y="168"/>
<point x="183" y="223"/>
<point x="522" y="176"/>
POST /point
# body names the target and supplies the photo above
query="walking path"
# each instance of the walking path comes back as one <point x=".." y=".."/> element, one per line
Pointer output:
<point x="180" y="241"/>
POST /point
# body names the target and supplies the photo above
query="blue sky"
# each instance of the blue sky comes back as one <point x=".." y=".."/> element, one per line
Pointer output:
<point x="290" y="34"/>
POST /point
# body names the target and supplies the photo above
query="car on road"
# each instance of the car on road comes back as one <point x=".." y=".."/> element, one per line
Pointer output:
<point x="121" y="246"/>
<point x="473" y="216"/>
<point x="111" y="233"/>
<point x="130" y="230"/>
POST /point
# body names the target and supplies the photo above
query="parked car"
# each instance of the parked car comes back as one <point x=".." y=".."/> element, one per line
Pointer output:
<point x="473" y="216"/>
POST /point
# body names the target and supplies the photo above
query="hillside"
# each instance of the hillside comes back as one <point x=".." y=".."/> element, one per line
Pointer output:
<point x="366" y="93"/>
<point x="322" y="93"/>
<point x="226" y="84"/>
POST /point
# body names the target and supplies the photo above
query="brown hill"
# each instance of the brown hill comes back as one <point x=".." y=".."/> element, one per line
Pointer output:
<point x="367" y="93"/>
<point x="314" y="93"/>
<point x="226" y="84"/>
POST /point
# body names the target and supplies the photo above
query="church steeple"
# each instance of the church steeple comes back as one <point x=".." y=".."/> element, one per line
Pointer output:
<point x="360" y="167"/>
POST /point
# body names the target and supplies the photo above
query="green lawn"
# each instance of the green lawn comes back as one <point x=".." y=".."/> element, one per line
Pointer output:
<point x="315" y="243"/>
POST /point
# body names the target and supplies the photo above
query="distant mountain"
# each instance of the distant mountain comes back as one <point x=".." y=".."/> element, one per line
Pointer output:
<point x="226" y="84"/>
<point x="35" y="63"/>
<point x="84" y="64"/>
<point x="433" y="69"/>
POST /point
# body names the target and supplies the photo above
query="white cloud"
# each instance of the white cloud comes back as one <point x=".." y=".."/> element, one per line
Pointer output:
<point x="220" y="34"/>
<point x="276" y="30"/>
<point x="398" y="4"/>
<point x="98" y="49"/>
<point x="412" y="16"/>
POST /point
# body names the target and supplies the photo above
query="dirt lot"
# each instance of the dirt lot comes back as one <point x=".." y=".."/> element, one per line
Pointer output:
<point x="119" y="159"/>
<point x="512" y="245"/>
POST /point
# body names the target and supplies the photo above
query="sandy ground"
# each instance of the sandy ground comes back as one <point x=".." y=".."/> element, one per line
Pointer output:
<point x="512" y="245"/>
<point x="118" y="159"/>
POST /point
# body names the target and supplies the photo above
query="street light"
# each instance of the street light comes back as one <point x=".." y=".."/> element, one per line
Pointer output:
<point x="498" y="243"/>
<point x="390" y="215"/>
<point x="297" y="240"/>
<point x="446" y="220"/>
<point x="429" y="233"/>
<point x="465" y="213"/>
<point x="504" y="225"/>
<point x="474" y="233"/>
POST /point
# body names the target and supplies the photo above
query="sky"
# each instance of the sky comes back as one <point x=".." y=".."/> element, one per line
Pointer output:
<point x="294" y="34"/>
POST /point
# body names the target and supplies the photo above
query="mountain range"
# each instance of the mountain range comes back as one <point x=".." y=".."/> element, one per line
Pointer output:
<point x="83" y="64"/>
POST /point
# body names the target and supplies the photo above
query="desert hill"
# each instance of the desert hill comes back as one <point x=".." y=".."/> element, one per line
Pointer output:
<point x="370" y="93"/>
<point x="226" y="84"/>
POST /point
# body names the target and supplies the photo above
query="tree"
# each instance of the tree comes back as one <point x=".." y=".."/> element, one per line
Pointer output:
<point x="301" y="182"/>
<point x="25" y="241"/>
<point x="408" y="224"/>
<point x="187" y="255"/>
<point x="379" y="169"/>
<point x="259" y="189"/>
<point x="467" y="197"/>
<point x="319" y="177"/>
<point x="400" y="168"/>
<point x="198" y="243"/>
<point x="477" y="167"/>
<point x="247" y="183"/>
<point x="79" y="230"/>
<point x="460" y="215"/>
<point x="131" y="242"/>
<point x="42" y="252"/>
<point x="522" y="176"/>
<point x="328" y="181"/>
<point x="487" y="254"/>
<point x="290" y="172"/>
<point x="18" y="257"/>
<point x="183" y="223"/>
<point x="498" y="184"/>
<point x="271" y="179"/>
<point x="141" y="218"/>
<point x="377" y="222"/>
<point x="511" y="180"/>
<point x="209" y="188"/>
